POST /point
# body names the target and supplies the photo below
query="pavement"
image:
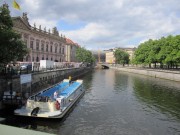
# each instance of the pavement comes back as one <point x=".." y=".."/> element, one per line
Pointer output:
<point x="9" y="130"/>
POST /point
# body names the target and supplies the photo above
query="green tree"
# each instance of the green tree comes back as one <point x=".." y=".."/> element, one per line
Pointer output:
<point x="165" y="51"/>
<point x="12" y="47"/>
<point x="141" y="54"/>
<point x="121" y="57"/>
<point x="84" y="55"/>
<point x="153" y="52"/>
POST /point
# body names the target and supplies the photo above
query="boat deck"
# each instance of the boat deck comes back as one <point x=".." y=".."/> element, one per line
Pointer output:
<point x="49" y="92"/>
<point x="70" y="89"/>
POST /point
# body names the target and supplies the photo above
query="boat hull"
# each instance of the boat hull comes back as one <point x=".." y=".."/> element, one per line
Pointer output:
<point x="39" y="110"/>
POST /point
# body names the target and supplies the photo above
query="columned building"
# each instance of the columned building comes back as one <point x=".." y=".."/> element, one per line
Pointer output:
<point x="42" y="44"/>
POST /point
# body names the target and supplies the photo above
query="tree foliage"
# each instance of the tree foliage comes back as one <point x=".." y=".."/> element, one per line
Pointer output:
<point x="84" y="55"/>
<point x="11" y="46"/>
<point x="121" y="57"/>
<point x="165" y="51"/>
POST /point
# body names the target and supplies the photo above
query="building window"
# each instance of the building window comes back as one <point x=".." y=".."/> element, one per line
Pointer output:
<point x="37" y="45"/>
<point x="26" y="42"/>
<point x="37" y="59"/>
<point x="51" y="59"/>
<point x="46" y="57"/>
<point x="47" y="47"/>
<point x="59" y="49"/>
<point x="51" y="48"/>
<point x="63" y="50"/>
<point x="42" y="47"/>
<point x="55" y="49"/>
<point x="31" y="44"/>
<point x="43" y="57"/>
<point x="27" y="58"/>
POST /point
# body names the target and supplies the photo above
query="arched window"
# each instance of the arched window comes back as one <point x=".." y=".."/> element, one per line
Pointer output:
<point x="37" y="59"/>
<point x="42" y="46"/>
<point x="37" y="44"/>
<point x="51" y="48"/>
<point x="31" y="44"/>
<point x="63" y="50"/>
<point x="60" y="49"/>
<point x="56" y="49"/>
<point x="28" y="58"/>
<point x="47" y="47"/>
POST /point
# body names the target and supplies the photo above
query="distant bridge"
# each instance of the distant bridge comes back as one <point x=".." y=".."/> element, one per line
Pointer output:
<point x="103" y="65"/>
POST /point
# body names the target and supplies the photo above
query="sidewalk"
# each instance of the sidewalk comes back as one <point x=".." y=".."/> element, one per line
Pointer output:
<point x="9" y="130"/>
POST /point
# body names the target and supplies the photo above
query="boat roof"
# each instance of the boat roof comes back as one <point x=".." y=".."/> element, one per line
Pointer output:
<point x="70" y="89"/>
<point x="51" y="91"/>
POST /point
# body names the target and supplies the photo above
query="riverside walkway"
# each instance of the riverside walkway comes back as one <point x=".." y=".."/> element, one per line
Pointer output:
<point x="173" y="75"/>
<point x="9" y="130"/>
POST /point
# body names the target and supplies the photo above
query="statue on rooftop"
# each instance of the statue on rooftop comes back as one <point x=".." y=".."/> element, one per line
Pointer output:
<point x="34" y="25"/>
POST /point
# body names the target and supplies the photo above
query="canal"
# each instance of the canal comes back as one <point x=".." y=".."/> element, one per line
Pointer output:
<point x="117" y="103"/>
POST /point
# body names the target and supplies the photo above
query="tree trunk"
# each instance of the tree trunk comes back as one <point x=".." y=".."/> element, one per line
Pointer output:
<point x="150" y="65"/>
<point x="161" y="65"/>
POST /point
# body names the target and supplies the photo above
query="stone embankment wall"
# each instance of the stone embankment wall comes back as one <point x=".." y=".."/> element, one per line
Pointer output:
<point x="164" y="74"/>
<point x="41" y="80"/>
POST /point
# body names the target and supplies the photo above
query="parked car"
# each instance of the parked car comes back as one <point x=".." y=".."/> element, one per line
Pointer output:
<point x="24" y="67"/>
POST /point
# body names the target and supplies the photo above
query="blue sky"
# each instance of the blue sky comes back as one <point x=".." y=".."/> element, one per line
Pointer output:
<point x="104" y="24"/>
<point x="66" y="25"/>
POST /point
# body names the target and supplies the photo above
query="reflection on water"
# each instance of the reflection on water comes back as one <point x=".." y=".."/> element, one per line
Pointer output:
<point x="117" y="103"/>
<point x="159" y="94"/>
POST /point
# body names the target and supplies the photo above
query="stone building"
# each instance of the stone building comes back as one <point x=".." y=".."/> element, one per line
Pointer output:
<point x="130" y="51"/>
<point x="110" y="57"/>
<point x="43" y="44"/>
<point x="71" y="50"/>
<point x="110" y="54"/>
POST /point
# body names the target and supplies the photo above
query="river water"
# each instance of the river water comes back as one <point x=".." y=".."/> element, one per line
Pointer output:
<point x="117" y="103"/>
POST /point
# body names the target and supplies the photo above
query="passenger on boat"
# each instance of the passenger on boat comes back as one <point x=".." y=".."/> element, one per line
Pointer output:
<point x="70" y="81"/>
<point x="55" y="94"/>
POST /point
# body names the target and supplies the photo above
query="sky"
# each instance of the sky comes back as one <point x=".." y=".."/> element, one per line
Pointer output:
<point x="104" y="24"/>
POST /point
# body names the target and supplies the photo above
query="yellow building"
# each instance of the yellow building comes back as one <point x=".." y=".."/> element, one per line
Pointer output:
<point x="110" y="57"/>
<point x="110" y="54"/>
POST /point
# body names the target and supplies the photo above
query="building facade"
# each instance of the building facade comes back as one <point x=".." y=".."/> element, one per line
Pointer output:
<point x="110" y="57"/>
<point x="110" y="54"/>
<point x="71" y="50"/>
<point x="130" y="51"/>
<point x="42" y="44"/>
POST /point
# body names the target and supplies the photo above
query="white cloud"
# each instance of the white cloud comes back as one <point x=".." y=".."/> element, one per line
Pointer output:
<point x="44" y="23"/>
<point x="32" y="4"/>
<point x="89" y="32"/>
<point x="107" y="23"/>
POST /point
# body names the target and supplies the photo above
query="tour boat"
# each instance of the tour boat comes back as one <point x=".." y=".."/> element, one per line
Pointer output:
<point x="53" y="102"/>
